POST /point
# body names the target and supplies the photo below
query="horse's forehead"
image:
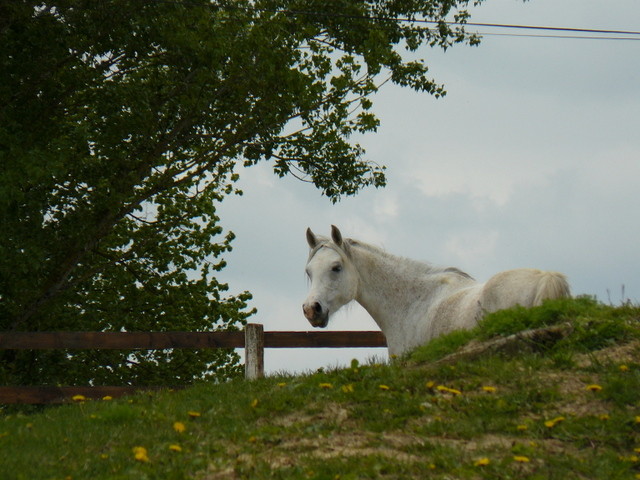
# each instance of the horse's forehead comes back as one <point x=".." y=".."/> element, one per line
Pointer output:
<point x="324" y="254"/>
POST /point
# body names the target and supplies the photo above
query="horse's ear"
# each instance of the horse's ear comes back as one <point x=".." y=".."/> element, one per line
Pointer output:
<point x="336" y="236"/>
<point x="311" y="239"/>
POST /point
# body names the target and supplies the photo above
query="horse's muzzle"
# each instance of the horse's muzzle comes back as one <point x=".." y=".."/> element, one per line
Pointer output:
<point x="317" y="316"/>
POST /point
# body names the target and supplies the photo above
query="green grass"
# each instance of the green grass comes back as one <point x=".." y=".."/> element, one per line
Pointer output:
<point x="528" y="415"/>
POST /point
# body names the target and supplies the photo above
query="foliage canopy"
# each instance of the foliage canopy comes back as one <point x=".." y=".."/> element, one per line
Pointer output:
<point x="123" y="123"/>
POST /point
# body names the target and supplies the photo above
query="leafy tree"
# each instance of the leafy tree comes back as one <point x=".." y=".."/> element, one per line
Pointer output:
<point x="123" y="124"/>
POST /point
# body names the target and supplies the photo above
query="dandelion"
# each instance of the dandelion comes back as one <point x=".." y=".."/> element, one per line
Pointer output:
<point x="554" y="422"/>
<point x="593" y="388"/>
<point x="489" y="389"/>
<point x="383" y="387"/>
<point x="623" y="368"/>
<point x="175" y="448"/>
<point x="140" y="454"/>
<point x="347" y="388"/>
<point x="521" y="459"/>
<point x="78" y="398"/>
<point x="522" y="428"/>
<point x="430" y="384"/>
<point x="326" y="386"/>
<point x="282" y="384"/>
<point x="254" y="403"/>
<point x="482" y="462"/>
<point x="443" y="389"/>
<point x="193" y="414"/>
<point x="107" y="398"/>
<point x="179" y="427"/>
<point x="630" y="459"/>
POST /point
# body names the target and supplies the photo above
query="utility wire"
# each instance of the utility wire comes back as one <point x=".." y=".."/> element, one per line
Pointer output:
<point x="575" y="37"/>
<point x="595" y="33"/>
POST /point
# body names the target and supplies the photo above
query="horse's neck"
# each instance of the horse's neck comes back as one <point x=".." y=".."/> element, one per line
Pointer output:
<point x="390" y="286"/>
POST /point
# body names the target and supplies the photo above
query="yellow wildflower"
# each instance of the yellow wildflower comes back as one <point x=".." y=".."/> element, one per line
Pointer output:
<point x="593" y="387"/>
<point x="443" y="389"/>
<point x="193" y="414"/>
<point x="603" y="416"/>
<point x="282" y="384"/>
<point x="78" y="398"/>
<point x="140" y="454"/>
<point x="326" y="386"/>
<point x="623" y="368"/>
<point x="175" y="448"/>
<point x="430" y="384"/>
<point x="482" y="462"/>
<point x="631" y="459"/>
<point x="383" y="387"/>
<point x="254" y="403"/>
<point x="106" y="398"/>
<point x="179" y="427"/>
<point x="347" y="388"/>
<point x="554" y="422"/>
<point x="521" y="459"/>
<point x="489" y="389"/>
<point x="522" y="428"/>
<point x="637" y="449"/>
<point x="638" y="419"/>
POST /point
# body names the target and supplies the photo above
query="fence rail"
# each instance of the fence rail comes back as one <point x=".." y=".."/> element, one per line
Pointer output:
<point x="253" y="339"/>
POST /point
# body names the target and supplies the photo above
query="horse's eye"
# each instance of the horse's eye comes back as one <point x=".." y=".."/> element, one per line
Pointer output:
<point x="336" y="268"/>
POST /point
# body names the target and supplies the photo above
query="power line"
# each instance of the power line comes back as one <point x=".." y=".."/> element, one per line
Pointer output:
<point x="590" y="33"/>
<point x="555" y="29"/>
<point x="574" y="37"/>
<point x="596" y="34"/>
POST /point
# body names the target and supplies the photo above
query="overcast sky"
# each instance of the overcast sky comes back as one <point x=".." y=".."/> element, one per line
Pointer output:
<point x="531" y="160"/>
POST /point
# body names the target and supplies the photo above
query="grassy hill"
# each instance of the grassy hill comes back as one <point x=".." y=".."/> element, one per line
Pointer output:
<point x="560" y="401"/>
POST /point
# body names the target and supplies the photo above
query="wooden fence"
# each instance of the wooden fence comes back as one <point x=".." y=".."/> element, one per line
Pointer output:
<point x="254" y="340"/>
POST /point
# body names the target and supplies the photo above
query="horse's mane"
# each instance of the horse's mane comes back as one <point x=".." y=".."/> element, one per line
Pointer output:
<point x="417" y="265"/>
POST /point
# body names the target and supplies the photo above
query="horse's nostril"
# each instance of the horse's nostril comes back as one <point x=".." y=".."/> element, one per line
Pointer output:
<point x="317" y="307"/>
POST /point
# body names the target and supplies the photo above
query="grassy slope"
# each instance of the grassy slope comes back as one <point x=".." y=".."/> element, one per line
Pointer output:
<point x="524" y="415"/>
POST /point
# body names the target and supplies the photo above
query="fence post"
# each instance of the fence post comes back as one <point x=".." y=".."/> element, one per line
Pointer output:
<point x="253" y="351"/>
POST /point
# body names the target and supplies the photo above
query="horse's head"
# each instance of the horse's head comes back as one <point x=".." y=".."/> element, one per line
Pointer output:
<point x="334" y="279"/>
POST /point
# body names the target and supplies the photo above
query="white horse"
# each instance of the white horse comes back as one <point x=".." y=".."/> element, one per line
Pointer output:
<point x="412" y="302"/>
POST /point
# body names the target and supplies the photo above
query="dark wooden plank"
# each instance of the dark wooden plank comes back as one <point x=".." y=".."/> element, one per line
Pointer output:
<point x="315" y="339"/>
<point x="51" y="395"/>
<point x="159" y="340"/>
<point x="119" y="340"/>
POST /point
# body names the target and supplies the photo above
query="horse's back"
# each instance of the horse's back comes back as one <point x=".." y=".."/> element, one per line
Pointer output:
<point x="526" y="287"/>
